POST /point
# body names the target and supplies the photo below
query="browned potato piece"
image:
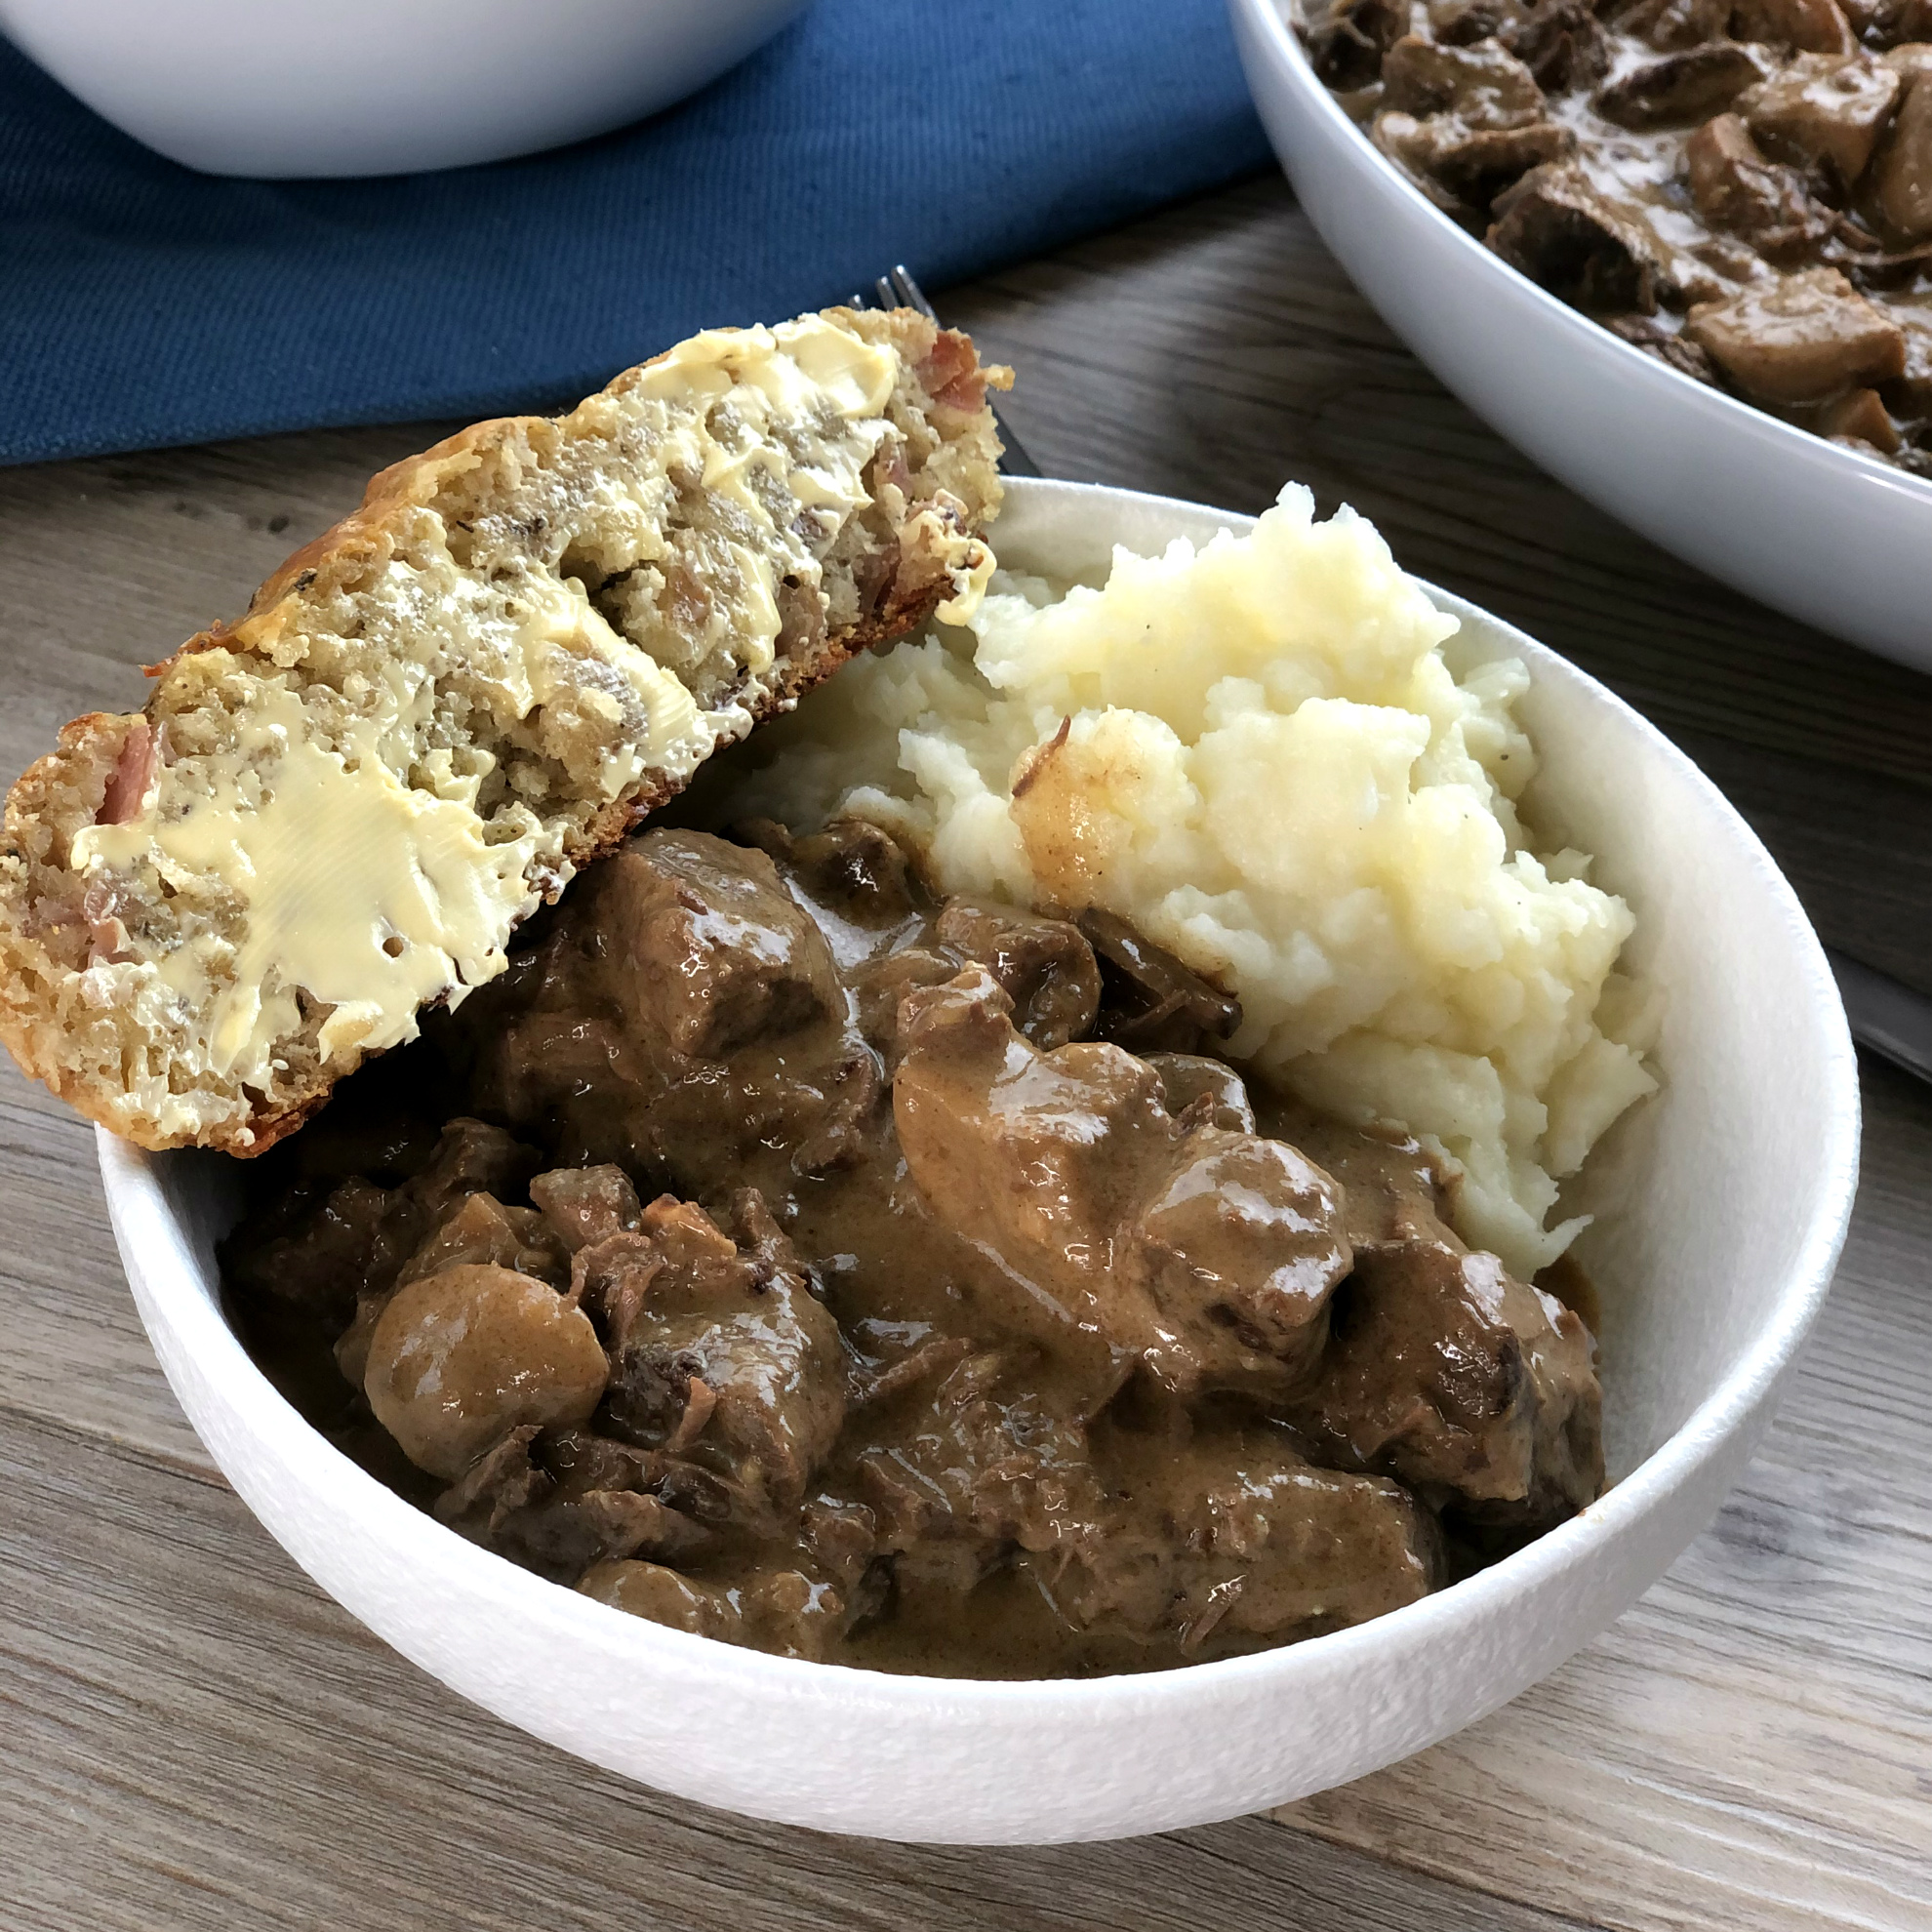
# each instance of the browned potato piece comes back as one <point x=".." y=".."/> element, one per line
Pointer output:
<point x="1804" y="338"/>
<point x="463" y="1355"/>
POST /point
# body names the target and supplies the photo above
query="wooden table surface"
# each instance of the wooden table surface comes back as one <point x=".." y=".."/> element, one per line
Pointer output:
<point x="192" y="1736"/>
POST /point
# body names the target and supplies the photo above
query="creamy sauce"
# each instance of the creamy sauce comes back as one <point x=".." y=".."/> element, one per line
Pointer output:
<point x="1026" y="1352"/>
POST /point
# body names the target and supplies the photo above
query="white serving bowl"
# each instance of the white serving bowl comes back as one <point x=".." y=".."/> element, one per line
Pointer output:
<point x="1843" y="541"/>
<point x="289" y="87"/>
<point x="1725" y="1200"/>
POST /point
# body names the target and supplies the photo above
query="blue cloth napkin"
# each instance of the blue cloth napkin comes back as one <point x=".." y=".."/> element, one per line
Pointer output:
<point x="143" y="303"/>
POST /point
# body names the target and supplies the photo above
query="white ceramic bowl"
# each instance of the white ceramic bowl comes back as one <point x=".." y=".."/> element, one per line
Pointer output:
<point x="1726" y="1200"/>
<point x="1843" y="541"/>
<point x="286" y="87"/>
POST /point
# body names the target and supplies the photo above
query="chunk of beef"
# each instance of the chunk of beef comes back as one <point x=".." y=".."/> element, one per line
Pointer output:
<point x="586" y="1205"/>
<point x="1822" y="110"/>
<point x="1664" y="345"/>
<point x="500" y="1482"/>
<point x="1682" y="88"/>
<point x="1577" y="244"/>
<point x="1804" y="338"/>
<point x="1470" y="119"/>
<point x="840" y="1538"/>
<point x="1207" y="1256"/>
<point x="854" y="876"/>
<point x="1045" y="966"/>
<point x="1442" y="1370"/>
<point x="509" y="1502"/>
<point x="1471" y="167"/>
<point x="879" y="987"/>
<point x="471" y="1157"/>
<point x="784" y="1611"/>
<point x="556" y="1071"/>
<point x="1348" y="40"/>
<point x="1465" y="23"/>
<point x="1902" y="181"/>
<point x="1672" y="25"/>
<point x="984" y="1464"/>
<point x="1446" y="1373"/>
<point x="1484" y="86"/>
<point x="1736" y="188"/>
<point x="321" y="1263"/>
<point x="1150" y="1003"/>
<point x="1210" y="1088"/>
<point x="1806" y="26"/>
<point x="479" y="1229"/>
<point x="691" y="1014"/>
<point x="1562" y="42"/>
<point x="723" y="1357"/>
<point x="1235" y="1541"/>
<point x="1238" y="1239"/>
<point x="1394" y="1191"/>
<point x="352" y="1244"/>
<point x="707" y="949"/>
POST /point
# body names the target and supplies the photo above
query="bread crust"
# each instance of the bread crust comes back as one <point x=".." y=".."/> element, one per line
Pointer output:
<point x="69" y="786"/>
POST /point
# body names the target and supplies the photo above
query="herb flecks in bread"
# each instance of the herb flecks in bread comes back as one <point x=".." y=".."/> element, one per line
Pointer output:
<point x="335" y="811"/>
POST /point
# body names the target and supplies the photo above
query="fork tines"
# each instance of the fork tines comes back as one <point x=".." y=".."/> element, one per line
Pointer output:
<point x="900" y="291"/>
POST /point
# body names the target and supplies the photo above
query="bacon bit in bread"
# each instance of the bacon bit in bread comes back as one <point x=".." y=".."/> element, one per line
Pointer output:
<point x="951" y="373"/>
<point x="126" y="784"/>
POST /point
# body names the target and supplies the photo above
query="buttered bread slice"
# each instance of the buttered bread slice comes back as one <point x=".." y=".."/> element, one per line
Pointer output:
<point x="334" y="813"/>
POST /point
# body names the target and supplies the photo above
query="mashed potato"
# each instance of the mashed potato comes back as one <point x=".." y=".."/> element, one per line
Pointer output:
<point x="1260" y="754"/>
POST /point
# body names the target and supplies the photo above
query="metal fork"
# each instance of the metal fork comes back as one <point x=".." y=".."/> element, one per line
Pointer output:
<point x="900" y="291"/>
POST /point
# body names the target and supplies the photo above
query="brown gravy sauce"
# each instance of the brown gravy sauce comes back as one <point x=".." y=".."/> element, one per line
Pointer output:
<point x="783" y="1255"/>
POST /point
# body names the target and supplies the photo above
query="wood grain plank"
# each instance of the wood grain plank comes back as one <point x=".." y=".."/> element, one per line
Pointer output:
<point x="194" y="1738"/>
<point x="71" y="1345"/>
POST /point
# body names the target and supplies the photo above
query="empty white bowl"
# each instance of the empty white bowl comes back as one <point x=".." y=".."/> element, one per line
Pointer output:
<point x="1840" y="539"/>
<point x="287" y="88"/>
<point x="1723" y="1202"/>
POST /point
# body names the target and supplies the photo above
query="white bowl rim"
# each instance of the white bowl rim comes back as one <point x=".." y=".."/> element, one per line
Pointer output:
<point x="1269" y="20"/>
<point x="132" y="1185"/>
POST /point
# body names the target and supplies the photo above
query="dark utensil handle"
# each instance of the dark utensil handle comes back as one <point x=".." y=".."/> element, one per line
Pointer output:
<point x="1889" y="1017"/>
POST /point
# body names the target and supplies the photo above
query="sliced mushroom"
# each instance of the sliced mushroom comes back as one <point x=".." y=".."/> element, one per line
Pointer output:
<point x="1804" y="338"/>
<point x="1902" y="179"/>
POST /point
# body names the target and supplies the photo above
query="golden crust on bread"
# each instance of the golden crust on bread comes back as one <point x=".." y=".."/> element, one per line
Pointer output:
<point x="333" y="811"/>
